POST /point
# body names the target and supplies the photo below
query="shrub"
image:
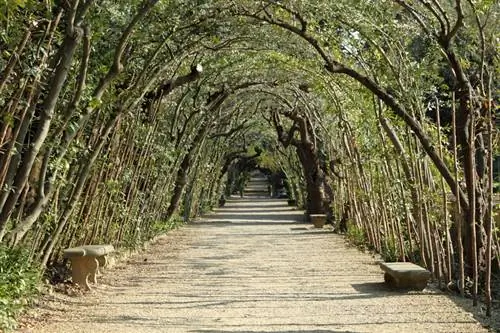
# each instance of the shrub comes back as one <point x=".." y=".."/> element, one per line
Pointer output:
<point x="356" y="235"/>
<point x="390" y="251"/>
<point x="161" y="227"/>
<point x="19" y="279"/>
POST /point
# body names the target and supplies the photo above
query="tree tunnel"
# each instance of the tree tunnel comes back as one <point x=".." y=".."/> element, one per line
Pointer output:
<point x="119" y="119"/>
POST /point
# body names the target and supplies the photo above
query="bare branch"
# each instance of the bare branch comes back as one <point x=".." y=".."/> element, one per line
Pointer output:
<point x="169" y="85"/>
<point x="285" y="138"/>
<point x="82" y="76"/>
<point x="444" y="27"/>
<point x="82" y="11"/>
<point x="441" y="10"/>
<point x="417" y="16"/>
<point x="480" y="28"/>
<point x="231" y="131"/>
<point x="458" y="23"/>
<point x="300" y="18"/>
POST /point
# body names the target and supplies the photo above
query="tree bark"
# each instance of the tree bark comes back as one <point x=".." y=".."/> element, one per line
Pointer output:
<point x="71" y="40"/>
<point x="308" y="156"/>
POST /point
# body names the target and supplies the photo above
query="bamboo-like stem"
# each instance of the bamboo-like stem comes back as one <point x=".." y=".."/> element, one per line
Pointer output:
<point x="407" y="216"/>
<point x="489" y="208"/>
<point x="425" y="245"/>
<point x="458" y="213"/>
<point x="472" y="200"/>
<point x="449" y="272"/>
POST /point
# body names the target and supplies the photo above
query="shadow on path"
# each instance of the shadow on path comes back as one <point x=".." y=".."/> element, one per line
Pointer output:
<point x="253" y="266"/>
<point x="250" y="211"/>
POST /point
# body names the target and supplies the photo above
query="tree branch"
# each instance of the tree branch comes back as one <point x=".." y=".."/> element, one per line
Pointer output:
<point x="117" y="66"/>
<point x="444" y="27"/>
<point x="286" y="139"/>
<point x="332" y="64"/>
<point x="458" y="23"/>
<point x="231" y="131"/>
<point x="168" y="86"/>
<point x="417" y="16"/>
<point x="302" y="21"/>
<point x="336" y="67"/>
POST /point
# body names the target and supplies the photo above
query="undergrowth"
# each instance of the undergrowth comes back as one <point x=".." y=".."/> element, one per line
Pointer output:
<point x="19" y="279"/>
<point x="356" y="235"/>
<point x="161" y="227"/>
<point x="390" y="252"/>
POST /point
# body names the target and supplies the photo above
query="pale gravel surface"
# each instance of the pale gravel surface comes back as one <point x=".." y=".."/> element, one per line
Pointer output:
<point x="251" y="267"/>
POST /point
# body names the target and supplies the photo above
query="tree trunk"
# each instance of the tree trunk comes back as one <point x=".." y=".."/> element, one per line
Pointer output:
<point x="308" y="157"/>
<point x="83" y="173"/>
<point x="70" y="43"/>
<point x="180" y="183"/>
<point x="314" y="179"/>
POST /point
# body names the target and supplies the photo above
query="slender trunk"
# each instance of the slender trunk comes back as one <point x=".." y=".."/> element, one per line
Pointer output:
<point x="85" y="168"/>
<point x="12" y="156"/>
<point x="470" y="175"/>
<point x="182" y="172"/>
<point x="13" y="59"/>
<point x="46" y="114"/>
<point x="10" y="164"/>
<point x="449" y="272"/>
<point x="489" y="211"/>
<point x="458" y="213"/>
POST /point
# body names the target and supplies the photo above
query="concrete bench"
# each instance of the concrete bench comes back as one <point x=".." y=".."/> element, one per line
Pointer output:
<point x="85" y="262"/>
<point x="318" y="220"/>
<point x="405" y="275"/>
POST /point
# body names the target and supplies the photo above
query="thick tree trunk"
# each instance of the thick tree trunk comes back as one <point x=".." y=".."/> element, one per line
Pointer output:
<point x="314" y="179"/>
<point x="308" y="157"/>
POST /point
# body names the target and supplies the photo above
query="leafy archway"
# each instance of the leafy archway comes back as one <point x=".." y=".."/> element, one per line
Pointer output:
<point x="118" y="119"/>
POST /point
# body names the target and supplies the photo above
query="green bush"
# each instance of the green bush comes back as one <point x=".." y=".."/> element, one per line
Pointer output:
<point x="161" y="227"/>
<point x="356" y="235"/>
<point x="19" y="279"/>
<point x="390" y="251"/>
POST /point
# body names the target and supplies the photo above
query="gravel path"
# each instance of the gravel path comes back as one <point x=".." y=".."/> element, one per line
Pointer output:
<point x="251" y="267"/>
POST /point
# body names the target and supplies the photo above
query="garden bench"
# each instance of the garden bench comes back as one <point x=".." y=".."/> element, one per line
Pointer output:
<point x="85" y="262"/>
<point x="405" y="275"/>
<point x="318" y="220"/>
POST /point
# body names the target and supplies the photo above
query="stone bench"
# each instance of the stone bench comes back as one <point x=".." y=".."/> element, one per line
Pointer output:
<point x="85" y="262"/>
<point x="405" y="275"/>
<point x="318" y="220"/>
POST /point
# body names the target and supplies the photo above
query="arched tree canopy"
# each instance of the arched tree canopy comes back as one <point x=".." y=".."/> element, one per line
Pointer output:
<point x="118" y="118"/>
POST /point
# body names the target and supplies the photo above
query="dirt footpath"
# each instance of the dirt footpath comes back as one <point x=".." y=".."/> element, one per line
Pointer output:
<point x="251" y="267"/>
